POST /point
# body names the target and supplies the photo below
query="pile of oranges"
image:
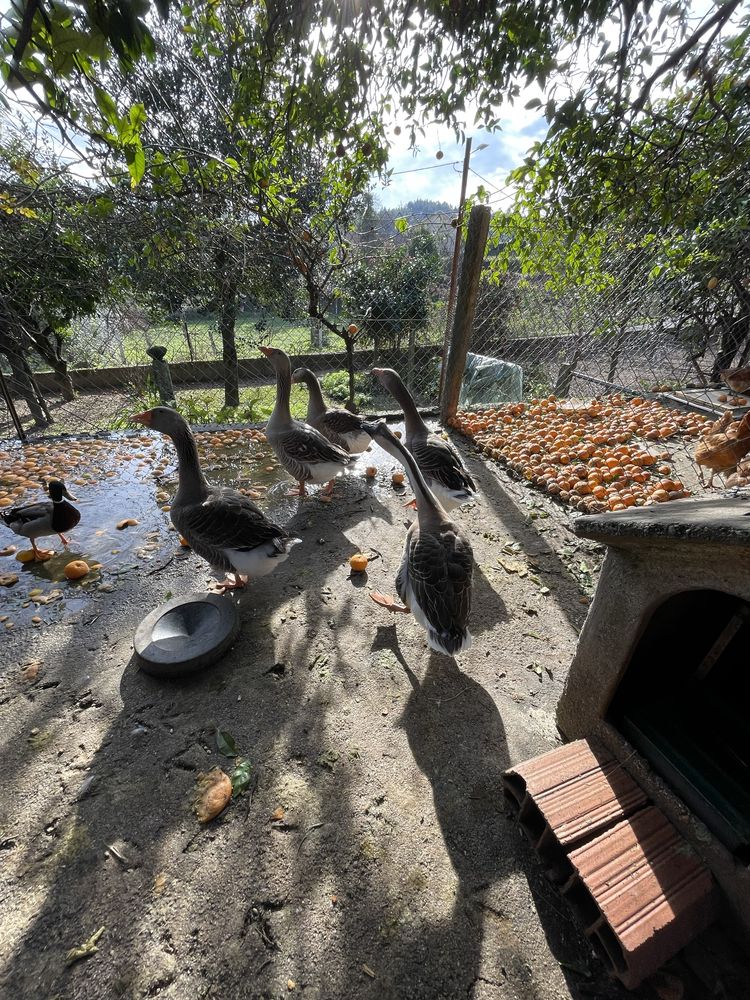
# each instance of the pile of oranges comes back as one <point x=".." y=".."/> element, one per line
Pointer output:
<point x="585" y="454"/>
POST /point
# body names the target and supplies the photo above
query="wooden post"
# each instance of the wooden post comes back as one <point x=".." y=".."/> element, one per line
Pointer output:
<point x="466" y="302"/>
<point x="454" y="264"/>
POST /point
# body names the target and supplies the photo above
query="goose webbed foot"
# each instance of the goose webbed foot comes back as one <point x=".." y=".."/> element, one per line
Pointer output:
<point x="412" y="504"/>
<point x="238" y="583"/>
<point x="389" y="603"/>
<point x="301" y="490"/>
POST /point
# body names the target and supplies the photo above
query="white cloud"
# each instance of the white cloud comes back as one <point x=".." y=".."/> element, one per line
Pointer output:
<point x="417" y="173"/>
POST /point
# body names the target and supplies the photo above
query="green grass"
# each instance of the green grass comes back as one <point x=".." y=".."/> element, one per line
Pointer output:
<point x="291" y="335"/>
<point x="206" y="406"/>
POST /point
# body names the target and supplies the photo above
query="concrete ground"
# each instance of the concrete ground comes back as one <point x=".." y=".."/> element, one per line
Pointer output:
<point x="393" y="868"/>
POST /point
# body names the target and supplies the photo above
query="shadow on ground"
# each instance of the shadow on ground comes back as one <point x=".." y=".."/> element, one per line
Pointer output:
<point x="375" y="856"/>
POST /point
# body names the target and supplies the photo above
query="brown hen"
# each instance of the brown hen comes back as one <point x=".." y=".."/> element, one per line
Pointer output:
<point x="724" y="445"/>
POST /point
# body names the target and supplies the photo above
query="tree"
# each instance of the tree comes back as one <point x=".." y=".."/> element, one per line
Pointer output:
<point x="246" y="209"/>
<point x="660" y="217"/>
<point x="52" y="262"/>
<point x="388" y="290"/>
<point x="334" y="67"/>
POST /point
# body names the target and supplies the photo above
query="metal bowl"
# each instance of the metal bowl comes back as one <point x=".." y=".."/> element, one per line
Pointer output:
<point x="185" y="635"/>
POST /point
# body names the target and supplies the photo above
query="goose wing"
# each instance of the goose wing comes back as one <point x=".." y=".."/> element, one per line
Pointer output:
<point x="440" y="461"/>
<point x="440" y="567"/>
<point x="227" y="520"/>
<point x="342" y="422"/>
<point x="307" y="446"/>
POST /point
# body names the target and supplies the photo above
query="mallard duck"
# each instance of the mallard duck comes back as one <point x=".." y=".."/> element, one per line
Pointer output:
<point x="305" y="453"/>
<point x="437" y="459"/>
<point x="49" y="517"/>
<point x="434" y="579"/>
<point x="339" y="426"/>
<point x="222" y="525"/>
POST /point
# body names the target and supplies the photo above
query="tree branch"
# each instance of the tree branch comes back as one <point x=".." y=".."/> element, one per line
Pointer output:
<point x="720" y="18"/>
<point x="27" y="24"/>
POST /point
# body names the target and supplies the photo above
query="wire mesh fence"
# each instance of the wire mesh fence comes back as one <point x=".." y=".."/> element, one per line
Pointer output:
<point x="643" y="329"/>
<point x="636" y="381"/>
<point x="384" y="304"/>
<point x="204" y="311"/>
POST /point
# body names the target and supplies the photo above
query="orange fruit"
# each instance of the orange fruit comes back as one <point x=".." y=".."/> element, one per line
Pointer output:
<point x="358" y="562"/>
<point x="76" y="569"/>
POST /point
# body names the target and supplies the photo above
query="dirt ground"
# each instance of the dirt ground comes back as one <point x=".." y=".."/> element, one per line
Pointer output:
<point x="397" y="869"/>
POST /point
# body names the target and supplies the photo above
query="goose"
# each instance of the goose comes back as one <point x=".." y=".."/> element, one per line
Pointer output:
<point x="434" y="578"/>
<point x="221" y="525"/>
<point x="49" y="517"/>
<point x="305" y="453"/>
<point x="339" y="426"/>
<point x="438" y="460"/>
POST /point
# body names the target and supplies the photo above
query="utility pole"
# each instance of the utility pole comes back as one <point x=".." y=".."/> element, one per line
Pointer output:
<point x="454" y="264"/>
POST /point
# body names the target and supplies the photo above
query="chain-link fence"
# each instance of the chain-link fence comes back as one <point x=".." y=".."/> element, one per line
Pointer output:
<point x="204" y="310"/>
<point x="643" y="329"/>
<point x="201" y="316"/>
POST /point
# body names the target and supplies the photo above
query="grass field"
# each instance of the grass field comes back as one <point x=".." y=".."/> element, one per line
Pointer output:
<point x="291" y="335"/>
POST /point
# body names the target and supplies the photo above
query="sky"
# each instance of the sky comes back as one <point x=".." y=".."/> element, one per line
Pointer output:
<point x="418" y="174"/>
<point x="505" y="149"/>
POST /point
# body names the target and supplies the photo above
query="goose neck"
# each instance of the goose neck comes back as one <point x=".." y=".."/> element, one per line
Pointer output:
<point x="412" y="420"/>
<point x="192" y="486"/>
<point x="281" y="412"/>
<point x="316" y="406"/>
<point x="427" y="506"/>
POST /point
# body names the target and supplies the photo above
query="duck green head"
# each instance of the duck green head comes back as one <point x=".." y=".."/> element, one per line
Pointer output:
<point x="57" y="489"/>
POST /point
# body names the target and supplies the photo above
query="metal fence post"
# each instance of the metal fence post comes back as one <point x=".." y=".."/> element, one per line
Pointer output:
<point x="466" y="302"/>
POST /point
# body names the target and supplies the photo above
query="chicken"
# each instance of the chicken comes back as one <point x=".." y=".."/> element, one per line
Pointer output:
<point x="737" y="378"/>
<point x="723" y="446"/>
<point x="741" y="475"/>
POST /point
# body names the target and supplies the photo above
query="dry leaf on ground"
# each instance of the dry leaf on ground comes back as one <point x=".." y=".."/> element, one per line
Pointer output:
<point x="84" y="950"/>
<point x="214" y="790"/>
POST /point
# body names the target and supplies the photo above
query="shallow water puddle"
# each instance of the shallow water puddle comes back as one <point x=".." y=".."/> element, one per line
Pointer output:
<point x="125" y="476"/>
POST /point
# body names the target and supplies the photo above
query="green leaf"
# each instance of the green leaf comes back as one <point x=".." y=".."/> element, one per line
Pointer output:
<point x="137" y="115"/>
<point x="535" y="102"/>
<point x="106" y="105"/>
<point x="225" y="743"/>
<point x="240" y="776"/>
<point x="136" y="161"/>
<point x="401" y="224"/>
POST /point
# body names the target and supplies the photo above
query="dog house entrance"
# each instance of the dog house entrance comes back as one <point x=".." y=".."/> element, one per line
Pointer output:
<point x="684" y="704"/>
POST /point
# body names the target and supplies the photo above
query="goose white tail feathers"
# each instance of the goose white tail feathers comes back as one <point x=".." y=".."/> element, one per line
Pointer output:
<point x="449" y="644"/>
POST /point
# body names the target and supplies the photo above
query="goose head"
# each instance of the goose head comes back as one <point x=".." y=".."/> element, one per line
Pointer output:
<point x="302" y="375"/>
<point x="163" y="419"/>
<point x="278" y="358"/>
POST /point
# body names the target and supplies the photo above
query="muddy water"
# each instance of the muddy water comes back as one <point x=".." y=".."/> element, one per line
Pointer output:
<point x="126" y="476"/>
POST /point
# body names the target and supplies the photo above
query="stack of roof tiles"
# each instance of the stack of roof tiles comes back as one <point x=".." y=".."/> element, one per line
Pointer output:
<point x="639" y="888"/>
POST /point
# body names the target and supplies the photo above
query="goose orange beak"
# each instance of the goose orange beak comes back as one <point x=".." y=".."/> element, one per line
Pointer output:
<point x="142" y="418"/>
<point x="268" y="351"/>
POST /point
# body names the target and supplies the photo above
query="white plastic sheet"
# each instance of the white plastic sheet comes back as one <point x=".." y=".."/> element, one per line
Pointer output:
<point x="489" y="380"/>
